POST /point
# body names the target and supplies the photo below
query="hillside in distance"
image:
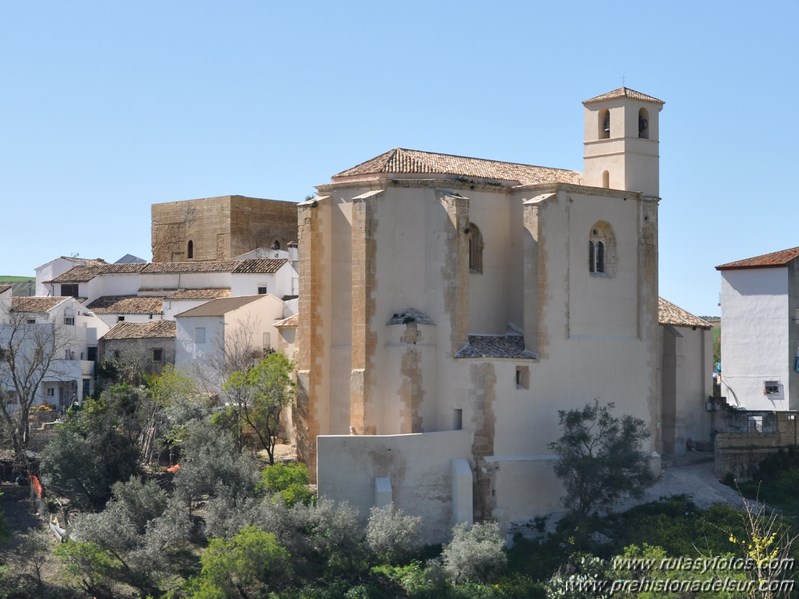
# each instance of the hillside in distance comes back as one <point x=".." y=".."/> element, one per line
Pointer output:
<point x="19" y="285"/>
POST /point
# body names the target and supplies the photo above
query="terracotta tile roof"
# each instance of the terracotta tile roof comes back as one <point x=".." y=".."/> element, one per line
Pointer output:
<point x="81" y="273"/>
<point x="672" y="314"/>
<point x="180" y="267"/>
<point x="199" y="294"/>
<point x="157" y="329"/>
<point x="260" y="265"/>
<point x="291" y="321"/>
<point x="90" y="269"/>
<point x="123" y="268"/>
<point x="623" y="92"/>
<point x="126" y="304"/>
<point x="35" y="304"/>
<point x="220" y="307"/>
<point x="495" y="346"/>
<point x="772" y="260"/>
<point x="415" y="162"/>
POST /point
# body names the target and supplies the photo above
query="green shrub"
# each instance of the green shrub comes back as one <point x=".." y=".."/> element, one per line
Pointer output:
<point x="392" y="535"/>
<point x="289" y="481"/>
<point x="476" y="553"/>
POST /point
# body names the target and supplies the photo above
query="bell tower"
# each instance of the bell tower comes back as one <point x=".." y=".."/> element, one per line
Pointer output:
<point x="621" y="141"/>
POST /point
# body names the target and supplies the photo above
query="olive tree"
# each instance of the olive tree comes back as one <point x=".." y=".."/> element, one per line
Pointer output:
<point x="600" y="458"/>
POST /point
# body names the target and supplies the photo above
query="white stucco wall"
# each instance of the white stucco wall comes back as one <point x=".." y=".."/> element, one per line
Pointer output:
<point x="419" y="467"/>
<point x="687" y="363"/>
<point x="755" y="340"/>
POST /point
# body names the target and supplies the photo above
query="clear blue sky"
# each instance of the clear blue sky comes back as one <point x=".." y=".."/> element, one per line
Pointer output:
<point x="108" y="107"/>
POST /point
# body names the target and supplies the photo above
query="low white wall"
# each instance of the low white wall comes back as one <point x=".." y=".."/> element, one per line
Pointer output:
<point x="419" y="467"/>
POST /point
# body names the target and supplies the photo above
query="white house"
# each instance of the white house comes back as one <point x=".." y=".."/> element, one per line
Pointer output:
<point x="55" y="338"/>
<point x="760" y="331"/>
<point x="209" y="335"/>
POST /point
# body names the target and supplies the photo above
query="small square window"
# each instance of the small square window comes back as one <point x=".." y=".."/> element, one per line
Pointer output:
<point x="69" y="321"/>
<point x="120" y="318"/>
<point x="31" y="321"/>
<point x="771" y="388"/>
<point x="261" y="288"/>
<point x="158" y="354"/>
<point x="51" y="392"/>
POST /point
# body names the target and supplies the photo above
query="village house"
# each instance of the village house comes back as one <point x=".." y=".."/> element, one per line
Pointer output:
<point x="450" y="306"/>
<point x="147" y="346"/>
<point x="760" y="340"/>
<point x="226" y="334"/>
<point x="56" y="340"/>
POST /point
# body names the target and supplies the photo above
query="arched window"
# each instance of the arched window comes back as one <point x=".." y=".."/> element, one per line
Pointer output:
<point x="275" y="245"/>
<point x="475" y="248"/>
<point x="643" y="123"/>
<point x="602" y="250"/>
<point x="190" y="250"/>
<point x="604" y="124"/>
<point x="606" y="179"/>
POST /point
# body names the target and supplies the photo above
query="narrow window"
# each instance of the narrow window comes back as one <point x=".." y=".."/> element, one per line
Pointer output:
<point x="522" y="377"/>
<point x="606" y="179"/>
<point x="158" y="354"/>
<point x="475" y="248"/>
<point x="604" y="123"/>
<point x="199" y="335"/>
<point x="600" y="256"/>
<point x="643" y="123"/>
<point x="190" y="250"/>
<point x="91" y="354"/>
<point x="267" y="340"/>
<point x="602" y="250"/>
<point x="457" y="419"/>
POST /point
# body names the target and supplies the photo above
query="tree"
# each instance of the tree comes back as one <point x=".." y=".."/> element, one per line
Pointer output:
<point x="93" y="449"/>
<point x="289" y="481"/>
<point x="259" y="395"/>
<point x="210" y="465"/>
<point x="29" y="351"/>
<point x="476" y="553"/>
<point x="392" y="535"/>
<point x="600" y="458"/>
<point x="138" y="531"/>
<point x="251" y="564"/>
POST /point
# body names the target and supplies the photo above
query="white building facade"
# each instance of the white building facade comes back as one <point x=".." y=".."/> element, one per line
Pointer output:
<point x="760" y="332"/>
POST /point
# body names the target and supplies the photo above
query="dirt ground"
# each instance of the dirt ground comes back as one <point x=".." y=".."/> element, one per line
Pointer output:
<point x="21" y="518"/>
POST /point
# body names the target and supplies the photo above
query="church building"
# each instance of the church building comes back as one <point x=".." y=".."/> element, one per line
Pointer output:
<point x="450" y="306"/>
